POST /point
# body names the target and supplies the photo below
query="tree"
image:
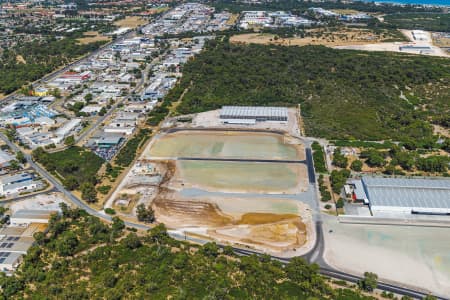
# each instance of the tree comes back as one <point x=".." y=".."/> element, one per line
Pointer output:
<point x="339" y="160"/>
<point x="88" y="98"/>
<point x="369" y="282"/>
<point x="88" y="192"/>
<point x="71" y="183"/>
<point x="20" y="157"/>
<point x="117" y="224"/>
<point x="69" y="141"/>
<point x="338" y="179"/>
<point x="132" y="241"/>
<point x="356" y="165"/>
<point x="145" y="214"/>
<point x="298" y="270"/>
<point x="340" y="203"/>
<point x="67" y="244"/>
<point x="210" y="249"/>
<point x="158" y="234"/>
<point x="374" y="158"/>
<point x="14" y="165"/>
<point x="102" y="111"/>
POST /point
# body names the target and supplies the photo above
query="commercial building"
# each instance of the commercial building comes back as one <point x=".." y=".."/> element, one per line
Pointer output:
<point x="17" y="183"/>
<point x="25" y="217"/>
<point x="252" y="114"/>
<point x="404" y="195"/>
<point x="5" y="159"/>
<point x="17" y="238"/>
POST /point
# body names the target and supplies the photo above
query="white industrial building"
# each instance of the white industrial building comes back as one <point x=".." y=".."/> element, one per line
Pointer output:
<point x="5" y="159"/>
<point x="252" y="114"/>
<point x="17" y="238"/>
<point x="404" y="195"/>
<point x="25" y="217"/>
<point x="17" y="183"/>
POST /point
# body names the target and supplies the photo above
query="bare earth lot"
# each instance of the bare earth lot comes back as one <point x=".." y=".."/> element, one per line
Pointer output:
<point x="131" y="22"/>
<point x="92" y="36"/>
<point x="346" y="37"/>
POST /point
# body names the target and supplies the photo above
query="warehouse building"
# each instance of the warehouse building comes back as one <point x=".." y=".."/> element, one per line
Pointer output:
<point x="404" y="195"/>
<point x="252" y="114"/>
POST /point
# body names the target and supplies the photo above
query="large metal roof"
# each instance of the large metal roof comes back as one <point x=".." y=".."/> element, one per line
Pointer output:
<point x="408" y="192"/>
<point x="254" y="111"/>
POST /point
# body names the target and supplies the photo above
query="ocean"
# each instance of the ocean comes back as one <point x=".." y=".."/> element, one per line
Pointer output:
<point x="423" y="2"/>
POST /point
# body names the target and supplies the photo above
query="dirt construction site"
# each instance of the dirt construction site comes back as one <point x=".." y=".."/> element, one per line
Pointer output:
<point x="234" y="187"/>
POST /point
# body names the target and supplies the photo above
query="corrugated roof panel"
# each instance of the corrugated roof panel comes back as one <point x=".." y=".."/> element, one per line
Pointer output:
<point x="405" y="192"/>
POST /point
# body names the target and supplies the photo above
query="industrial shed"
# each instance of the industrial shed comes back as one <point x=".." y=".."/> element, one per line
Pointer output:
<point x="407" y="195"/>
<point x="253" y="114"/>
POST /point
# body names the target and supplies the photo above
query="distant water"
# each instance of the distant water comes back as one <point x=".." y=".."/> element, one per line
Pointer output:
<point x="423" y="2"/>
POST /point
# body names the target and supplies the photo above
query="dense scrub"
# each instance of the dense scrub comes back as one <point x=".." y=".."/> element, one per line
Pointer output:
<point x="344" y="94"/>
<point x="426" y="21"/>
<point x="82" y="258"/>
<point x="73" y="166"/>
<point x="301" y="5"/>
<point x="127" y="153"/>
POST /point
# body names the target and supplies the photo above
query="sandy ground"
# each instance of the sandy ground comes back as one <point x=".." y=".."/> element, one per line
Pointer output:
<point x="131" y="22"/>
<point x="395" y="47"/>
<point x="91" y="37"/>
<point x="284" y="234"/>
<point x="266" y="178"/>
<point x="20" y="59"/>
<point x="226" y="144"/>
<point x="48" y="201"/>
<point x="441" y="130"/>
<point x="411" y="256"/>
<point x="339" y="38"/>
<point x="233" y="19"/>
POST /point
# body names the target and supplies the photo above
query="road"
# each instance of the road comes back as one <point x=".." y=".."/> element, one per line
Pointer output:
<point x="138" y="86"/>
<point x="70" y="65"/>
<point x="314" y="256"/>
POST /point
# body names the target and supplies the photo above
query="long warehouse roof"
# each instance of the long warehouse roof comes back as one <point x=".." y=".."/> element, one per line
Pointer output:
<point x="405" y="192"/>
<point x="254" y="111"/>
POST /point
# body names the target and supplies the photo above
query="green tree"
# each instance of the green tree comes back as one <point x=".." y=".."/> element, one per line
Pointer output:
<point x="145" y="214"/>
<point x="88" y="192"/>
<point x="88" y="97"/>
<point x="14" y="165"/>
<point x="373" y="158"/>
<point x="340" y="203"/>
<point x="132" y="241"/>
<point x="66" y="245"/>
<point x="20" y="157"/>
<point x="356" y="165"/>
<point x="102" y="111"/>
<point x="69" y="141"/>
<point x="339" y="160"/>
<point x="369" y="282"/>
<point x="117" y="224"/>
<point x="71" y="183"/>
